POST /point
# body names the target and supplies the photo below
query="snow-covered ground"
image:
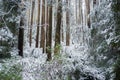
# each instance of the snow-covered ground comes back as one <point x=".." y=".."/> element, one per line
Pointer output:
<point x="73" y="58"/>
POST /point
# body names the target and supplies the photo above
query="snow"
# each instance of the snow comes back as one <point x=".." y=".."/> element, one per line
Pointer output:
<point x="5" y="33"/>
<point x="72" y="58"/>
<point x="79" y="59"/>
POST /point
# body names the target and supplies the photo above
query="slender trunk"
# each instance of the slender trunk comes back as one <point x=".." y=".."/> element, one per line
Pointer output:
<point x="29" y="23"/>
<point x="45" y="23"/>
<point x="42" y="43"/>
<point x="49" y="35"/>
<point x="68" y="26"/>
<point x="79" y="12"/>
<point x="88" y="11"/>
<point x="58" y="28"/>
<point x="38" y="25"/>
<point x="62" y="32"/>
<point x="33" y="5"/>
<point x="76" y="11"/>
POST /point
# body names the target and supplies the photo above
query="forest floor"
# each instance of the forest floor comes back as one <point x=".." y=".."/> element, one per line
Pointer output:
<point x="69" y="64"/>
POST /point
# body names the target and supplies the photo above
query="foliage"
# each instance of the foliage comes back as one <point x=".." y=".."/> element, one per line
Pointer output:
<point x="10" y="72"/>
<point x="11" y="11"/>
<point x="57" y="49"/>
<point x="49" y="49"/>
<point x="117" y="70"/>
<point x="105" y="36"/>
<point x="5" y="53"/>
<point x="9" y="15"/>
<point x="5" y="50"/>
<point x="116" y="41"/>
<point x="93" y="32"/>
<point x="68" y="77"/>
<point x="116" y="12"/>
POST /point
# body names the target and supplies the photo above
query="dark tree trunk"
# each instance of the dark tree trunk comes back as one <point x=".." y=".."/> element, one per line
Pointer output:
<point x="38" y="25"/>
<point x="42" y="42"/>
<point x="58" y="28"/>
<point x="49" y="35"/>
<point x="21" y="37"/>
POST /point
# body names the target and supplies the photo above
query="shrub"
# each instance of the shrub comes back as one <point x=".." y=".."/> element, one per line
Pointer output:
<point x="10" y="72"/>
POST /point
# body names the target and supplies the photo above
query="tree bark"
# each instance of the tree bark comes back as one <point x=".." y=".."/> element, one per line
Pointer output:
<point x="58" y="28"/>
<point x="88" y="11"/>
<point x="42" y="43"/>
<point x="33" y="5"/>
<point x="38" y="25"/>
<point x="21" y="37"/>
<point x="49" y="35"/>
<point x="68" y="26"/>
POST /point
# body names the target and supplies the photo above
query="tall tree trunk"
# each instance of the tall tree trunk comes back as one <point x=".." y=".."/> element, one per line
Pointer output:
<point x="38" y="25"/>
<point x="33" y="5"/>
<point x="88" y="11"/>
<point x="46" y="23"/>
<point x="21" y="37"/>
<point x="68" y="26"/>
<point x="58" y="28"/>
<point x="49" y="34"/>
<point x="76" y="8"/>
<point x="81" y="12"/>
<point x="42" y="43"/>
<point x="62" y="31"/>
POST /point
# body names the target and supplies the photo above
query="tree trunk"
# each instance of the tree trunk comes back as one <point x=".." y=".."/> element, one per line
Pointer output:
<point x="33" y="5"/>
<point x="68" y="26"/>
<point x="42" y="43"/>
<point x="58" y="28"/>
<point x="49" y="35"/>
<point x="38" y="25"/>
<point x="21" y="37"/>
<point x="88" y="11"/>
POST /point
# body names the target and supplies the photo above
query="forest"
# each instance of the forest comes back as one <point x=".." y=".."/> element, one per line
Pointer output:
<point x="59" y="39"/>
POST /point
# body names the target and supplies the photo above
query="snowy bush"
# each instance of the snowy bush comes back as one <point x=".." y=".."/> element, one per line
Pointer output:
<point x="10" y="72"/>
